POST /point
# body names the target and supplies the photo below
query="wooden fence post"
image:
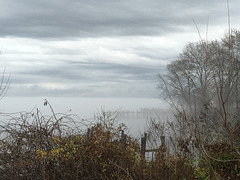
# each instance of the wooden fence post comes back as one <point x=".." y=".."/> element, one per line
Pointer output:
<point x="123" y="140"/>
<point x="163" y="147"/>
<point x="88" y="132"/>
<point x="163" y="142"/>
<point x="143" y="144"/>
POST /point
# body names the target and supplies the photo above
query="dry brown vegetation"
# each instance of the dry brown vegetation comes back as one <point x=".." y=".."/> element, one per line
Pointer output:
<point x="34" y="146"/>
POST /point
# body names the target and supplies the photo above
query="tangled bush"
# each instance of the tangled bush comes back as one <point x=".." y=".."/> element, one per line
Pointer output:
<point x="224" y="161"/>
<point x="23" y="137"/>
<point x="41" y="147"/>
<point x="34" y="146"/>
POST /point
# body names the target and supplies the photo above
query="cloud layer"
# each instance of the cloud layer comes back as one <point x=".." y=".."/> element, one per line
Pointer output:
<point x="71" y="19"/>
<point x="100" y="48"/>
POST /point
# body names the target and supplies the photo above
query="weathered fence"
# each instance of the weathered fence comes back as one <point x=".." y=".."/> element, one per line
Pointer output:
<point x="143" y="145"/>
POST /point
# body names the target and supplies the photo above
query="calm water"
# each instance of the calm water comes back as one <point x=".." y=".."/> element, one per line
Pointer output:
<point x="134" y="112"/>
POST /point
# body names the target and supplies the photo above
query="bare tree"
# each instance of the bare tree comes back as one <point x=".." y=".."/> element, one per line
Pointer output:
<point x="202" y="85"/>
<point x="4" y="84"/>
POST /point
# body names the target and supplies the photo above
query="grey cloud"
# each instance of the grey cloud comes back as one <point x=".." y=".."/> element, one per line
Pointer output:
<point x="134" y="89"/>
<point x="62" y="18"/>
<point x="36" y="90"/>
<point x="85" y="72"/>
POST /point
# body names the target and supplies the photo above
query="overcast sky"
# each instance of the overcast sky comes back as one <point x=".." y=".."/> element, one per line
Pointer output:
<point x="100" y="48"/>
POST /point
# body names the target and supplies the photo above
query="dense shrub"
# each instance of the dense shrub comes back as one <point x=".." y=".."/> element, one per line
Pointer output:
<point x="34" y="146"/>
<point x="40" y="147"/>
<point x="224" y="160"/>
